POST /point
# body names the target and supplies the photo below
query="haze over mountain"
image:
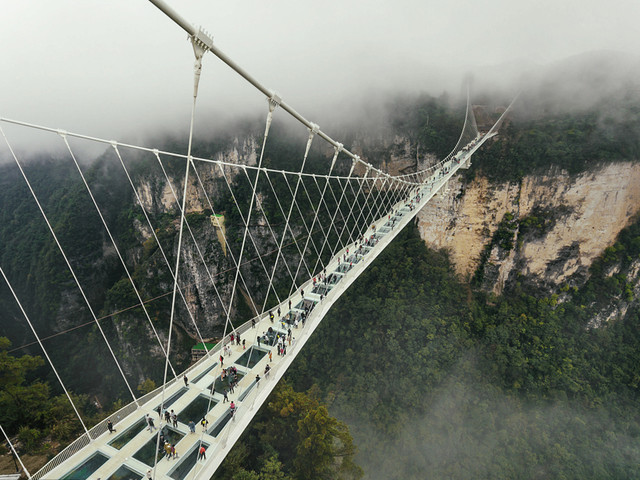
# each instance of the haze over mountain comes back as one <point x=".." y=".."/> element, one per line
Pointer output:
<point x="123" y="70"/>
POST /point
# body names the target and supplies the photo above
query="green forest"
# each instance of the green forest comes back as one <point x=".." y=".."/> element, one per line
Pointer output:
<point x="436" y="378"/>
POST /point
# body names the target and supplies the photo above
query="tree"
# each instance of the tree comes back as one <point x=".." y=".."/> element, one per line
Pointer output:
<point x="20" y="404"/>
<point x="272" y="470"/>
<point x="325" y="447"/>
<point x="147" y="386"/>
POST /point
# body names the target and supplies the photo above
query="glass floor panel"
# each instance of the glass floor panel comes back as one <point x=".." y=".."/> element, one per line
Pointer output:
<point x="288" y="319"/>
<point x="309" y="304"/>
<point x="126" y="436"/>
<point x="251" y="357"/>
<point x="321" y="289"/>
<point x="270" y="337"/>
<point x="172" y="399"/>
<point x="353" y="259"/>
<point x="147" y="453"/>
<point x="187" y="463"/>
<point x="125" y="473"/>
<point x="201" y="376"/>
<point x="344" y="268"/>
<point x="217" y="428"/>
<point x="197" y="409"/>
<point x="220" y="385"/>
<point x="86" y="468"/>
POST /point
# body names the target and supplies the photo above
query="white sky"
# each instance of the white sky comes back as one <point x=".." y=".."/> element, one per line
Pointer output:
<point x="120" y="68"/>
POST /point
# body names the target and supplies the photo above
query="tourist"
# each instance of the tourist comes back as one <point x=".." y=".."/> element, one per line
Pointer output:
<point x="174" y="419"/>
<point x="192" y="426"/>
<point x="186" y="380"/>
<point x="152" y="427"/>
<point x="110" y="427"/>
<point x="201" y="453"/>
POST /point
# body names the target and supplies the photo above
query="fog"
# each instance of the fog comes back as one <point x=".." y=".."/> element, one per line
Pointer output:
<point x="121" y="69"/>
<point x="471" y="429"/>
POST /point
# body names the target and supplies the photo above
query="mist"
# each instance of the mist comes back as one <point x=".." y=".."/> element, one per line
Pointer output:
<point x="469" y="428"/>
<point x="123" y="70"/>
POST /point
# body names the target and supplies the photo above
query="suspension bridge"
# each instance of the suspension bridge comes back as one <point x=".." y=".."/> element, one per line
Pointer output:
<point x="321" y="231"/>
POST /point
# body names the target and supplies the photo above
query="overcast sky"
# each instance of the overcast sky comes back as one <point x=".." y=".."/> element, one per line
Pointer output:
<point x="120" y="68"/>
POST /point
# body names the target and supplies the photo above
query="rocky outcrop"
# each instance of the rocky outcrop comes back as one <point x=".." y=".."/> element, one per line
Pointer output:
<point x="587" y="212"/>
<point x="159" y="195"/>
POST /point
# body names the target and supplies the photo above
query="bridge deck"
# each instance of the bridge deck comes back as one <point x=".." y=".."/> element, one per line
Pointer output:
<point x="129" y="452"/>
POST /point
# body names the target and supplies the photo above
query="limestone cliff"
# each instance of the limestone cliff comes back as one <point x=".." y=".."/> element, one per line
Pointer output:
<point x="583" y="214"/>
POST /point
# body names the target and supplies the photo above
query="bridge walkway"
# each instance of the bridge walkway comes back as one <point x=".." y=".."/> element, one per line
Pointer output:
<point x="129" y="452"/>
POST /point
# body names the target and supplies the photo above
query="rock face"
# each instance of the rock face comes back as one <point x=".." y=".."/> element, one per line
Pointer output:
<point x="587" y="211"/>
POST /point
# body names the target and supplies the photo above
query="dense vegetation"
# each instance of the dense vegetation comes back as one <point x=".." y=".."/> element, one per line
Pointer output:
<point x="30" y="411"/>
<point x="457" y="384"/>
<point x="572" y="141"/>
<point x="292" y="437"/>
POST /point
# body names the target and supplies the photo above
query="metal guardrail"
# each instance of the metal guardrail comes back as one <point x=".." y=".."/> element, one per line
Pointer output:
<point x="120" y="415"/>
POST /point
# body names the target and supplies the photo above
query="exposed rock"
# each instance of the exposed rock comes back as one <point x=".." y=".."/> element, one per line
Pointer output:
<point x="590" y="209"/>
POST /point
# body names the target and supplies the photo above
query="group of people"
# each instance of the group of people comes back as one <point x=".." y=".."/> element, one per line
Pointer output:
<point x="236" y="337"/>
<point x="169" y="449"/>
<point x="282" y="343"/>
<point x="231" y="374"/>
<point x="171" y="417"/>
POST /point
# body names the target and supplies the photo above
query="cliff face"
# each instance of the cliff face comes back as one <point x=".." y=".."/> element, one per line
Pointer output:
<point x="578" y="217"/>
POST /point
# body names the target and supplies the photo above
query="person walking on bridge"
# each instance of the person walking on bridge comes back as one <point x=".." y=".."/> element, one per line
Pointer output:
<point x="174" y="419"/>
<point x="152" y="427"/>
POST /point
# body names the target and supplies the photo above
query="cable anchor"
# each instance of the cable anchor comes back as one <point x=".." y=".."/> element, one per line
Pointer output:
<point x="201" y="41"/>
<point x="274" y="101"/>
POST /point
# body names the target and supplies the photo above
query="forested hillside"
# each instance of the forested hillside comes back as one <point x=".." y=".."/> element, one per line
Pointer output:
<point x="436" y="378"/>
